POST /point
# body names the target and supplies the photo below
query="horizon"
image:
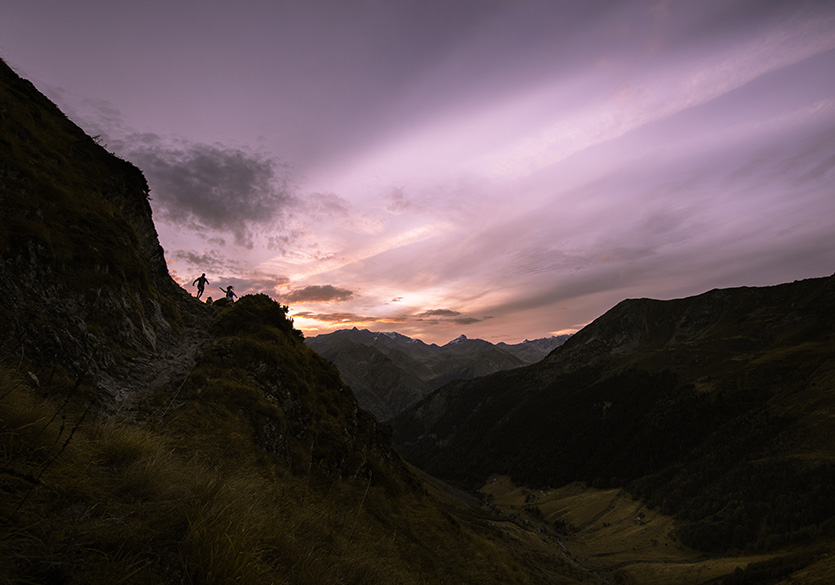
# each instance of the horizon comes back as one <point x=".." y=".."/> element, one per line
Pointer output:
<point x="557" y="333"/>
<point x="447" y="342"/>
<point x="499" y="170"/>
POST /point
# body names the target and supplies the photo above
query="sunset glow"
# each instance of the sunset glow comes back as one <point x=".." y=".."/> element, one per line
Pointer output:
<point x="505" y="170"/>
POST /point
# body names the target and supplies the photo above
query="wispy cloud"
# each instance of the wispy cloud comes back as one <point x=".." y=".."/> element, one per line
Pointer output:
<point x="211" y="262"/>
<point x="448" y="315"/>
<point x="670" y="86"/>
<point x="318" y="294"/>
<point x="530" y="161"/>
<point x="343" y="319"/>
<point x="406" y="321"/>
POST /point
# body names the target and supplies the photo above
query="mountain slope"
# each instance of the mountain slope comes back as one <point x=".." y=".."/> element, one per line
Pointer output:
<point x="84" y="279"/>
<point x="389" y="371"/>
<point x="533" y="350"/>
<point x="713" y="408"/>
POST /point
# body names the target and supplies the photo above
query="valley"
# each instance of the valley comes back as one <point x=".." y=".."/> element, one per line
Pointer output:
<point x="609" y="534"/>
<point x="606" y="537"/>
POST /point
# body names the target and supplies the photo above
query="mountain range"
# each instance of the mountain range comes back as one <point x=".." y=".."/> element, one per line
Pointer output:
<point x="388" y="371"/>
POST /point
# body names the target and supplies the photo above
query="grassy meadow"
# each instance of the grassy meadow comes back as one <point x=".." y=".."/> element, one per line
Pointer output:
<point x="617" y="538"/>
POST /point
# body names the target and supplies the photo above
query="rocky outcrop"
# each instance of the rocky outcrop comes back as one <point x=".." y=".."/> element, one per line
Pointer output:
<point x="83" y="276"/>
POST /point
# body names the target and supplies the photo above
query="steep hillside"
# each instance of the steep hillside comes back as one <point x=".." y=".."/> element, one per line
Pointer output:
<point x="85" y="284"/>
<point x="717" y="409"/>
<point x="389" y="371"/>
<point x="148" y="438"/>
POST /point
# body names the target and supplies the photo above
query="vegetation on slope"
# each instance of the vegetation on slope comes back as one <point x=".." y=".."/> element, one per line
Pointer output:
<point x="716" y="409"/>
<point x="83" y="275"/>
<point x="57" y="185"/>
<point x="195" y="494"/>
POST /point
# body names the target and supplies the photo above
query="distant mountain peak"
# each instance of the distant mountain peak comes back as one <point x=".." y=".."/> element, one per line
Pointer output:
<point x="389" y="371"/>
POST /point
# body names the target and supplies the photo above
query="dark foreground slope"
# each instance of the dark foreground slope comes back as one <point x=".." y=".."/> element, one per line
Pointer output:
<point x="148" y="438"/>
<point x="717" y="409"/>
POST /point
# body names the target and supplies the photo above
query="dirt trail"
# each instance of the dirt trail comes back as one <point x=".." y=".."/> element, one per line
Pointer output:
<point x="600" y="515"/>
<point x="165" y="368"/>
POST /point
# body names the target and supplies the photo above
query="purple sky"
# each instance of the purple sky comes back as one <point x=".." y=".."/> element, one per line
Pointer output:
<point x="506" y="169"/>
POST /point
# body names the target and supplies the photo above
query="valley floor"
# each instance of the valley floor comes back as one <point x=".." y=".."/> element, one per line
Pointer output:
<point x="580" y="534"/>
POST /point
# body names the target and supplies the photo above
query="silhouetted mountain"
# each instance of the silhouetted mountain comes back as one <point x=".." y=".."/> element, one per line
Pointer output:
<point x="389" y="371"/>
<point x="532" y="351"/>
<point x="717" y="408"/>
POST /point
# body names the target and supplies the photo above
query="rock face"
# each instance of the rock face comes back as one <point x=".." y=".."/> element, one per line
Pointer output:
<point x="84" y="280"/>
<point x="389" y="372"/>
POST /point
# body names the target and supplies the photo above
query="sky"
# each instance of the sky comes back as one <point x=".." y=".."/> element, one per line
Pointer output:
<point x="502" y="169"/>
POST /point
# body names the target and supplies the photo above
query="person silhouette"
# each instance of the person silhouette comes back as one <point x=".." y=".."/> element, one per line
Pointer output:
<point x="230" y="294"/>
<point x="201" y="282"/>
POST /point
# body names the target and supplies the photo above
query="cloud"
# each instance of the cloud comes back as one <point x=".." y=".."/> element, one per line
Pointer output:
<point x="324" y="205"/>
<point x="468" y="320"/>
<point x="676" y="82"/>
<point x="213" y="187"/>
<point x="398" y="203"/>
<point x="439" y="315"/>
<point x="319" y="294"/>
<point x="207" y="186"/>
<point x="211" y="261"/>
<point x="342" y="318"/>
<point x="431" y="317"/>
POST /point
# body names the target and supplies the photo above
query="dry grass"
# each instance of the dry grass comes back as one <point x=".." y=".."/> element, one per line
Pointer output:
<point x="106" y="501"/>
<point x="617" y="537"/>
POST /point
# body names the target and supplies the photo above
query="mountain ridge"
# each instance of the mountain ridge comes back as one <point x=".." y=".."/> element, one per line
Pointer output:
<point x="389" y="371"/>
<point x="680" y="401"/>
